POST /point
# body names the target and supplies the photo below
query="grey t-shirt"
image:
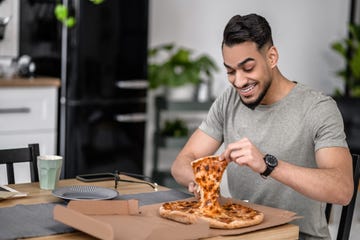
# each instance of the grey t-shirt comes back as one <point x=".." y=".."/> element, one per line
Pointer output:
<point x="292" y="129"/>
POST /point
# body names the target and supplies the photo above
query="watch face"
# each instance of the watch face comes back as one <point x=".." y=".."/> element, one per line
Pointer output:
<point x="271" y="160"/>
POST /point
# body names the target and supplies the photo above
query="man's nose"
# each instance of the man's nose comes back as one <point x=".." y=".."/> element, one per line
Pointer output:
<point x="240" y="80"/>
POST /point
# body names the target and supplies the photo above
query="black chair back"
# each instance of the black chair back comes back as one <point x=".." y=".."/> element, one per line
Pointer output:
<point x="18" y="155"/>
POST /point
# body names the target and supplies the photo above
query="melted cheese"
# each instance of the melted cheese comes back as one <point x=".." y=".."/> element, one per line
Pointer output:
<point x="208" y="172"/>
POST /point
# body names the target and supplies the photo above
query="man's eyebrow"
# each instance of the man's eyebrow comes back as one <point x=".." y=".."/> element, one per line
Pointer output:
<point x="241" y="63"/>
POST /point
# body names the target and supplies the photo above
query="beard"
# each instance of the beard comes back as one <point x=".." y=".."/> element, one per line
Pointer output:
<point x="252" y="105"/>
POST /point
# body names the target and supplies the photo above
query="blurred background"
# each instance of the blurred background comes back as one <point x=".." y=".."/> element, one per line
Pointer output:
<point x="121" y="85"/>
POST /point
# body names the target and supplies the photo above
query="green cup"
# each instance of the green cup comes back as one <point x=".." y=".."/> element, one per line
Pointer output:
<point x="49" y="168"/>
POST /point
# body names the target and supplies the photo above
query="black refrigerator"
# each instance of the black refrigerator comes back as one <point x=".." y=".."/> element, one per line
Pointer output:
<point x="103" y="95"/>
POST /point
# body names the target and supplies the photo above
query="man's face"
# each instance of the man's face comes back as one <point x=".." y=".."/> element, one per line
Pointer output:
<point x="248" y="71"/>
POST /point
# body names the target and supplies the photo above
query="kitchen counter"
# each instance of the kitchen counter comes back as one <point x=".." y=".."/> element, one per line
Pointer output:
<point x="30" y="82"/>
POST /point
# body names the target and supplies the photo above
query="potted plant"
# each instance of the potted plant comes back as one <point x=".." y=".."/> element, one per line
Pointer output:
<point x="349" y="101"/>
<point x="349" y="49"/>
<point x="174" y="132"/>
<point x="173" y="67"/>
<point x="175" y="128"/>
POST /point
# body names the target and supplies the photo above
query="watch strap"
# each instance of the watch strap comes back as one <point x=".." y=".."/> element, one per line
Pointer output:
<point x="267" y="171"/>
<point x="269" y="167"/>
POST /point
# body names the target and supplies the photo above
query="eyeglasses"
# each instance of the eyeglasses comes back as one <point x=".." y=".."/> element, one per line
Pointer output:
<point x="151" y="183"/>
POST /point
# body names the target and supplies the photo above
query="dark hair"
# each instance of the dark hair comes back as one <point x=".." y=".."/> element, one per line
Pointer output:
<point x="250" y="27"/>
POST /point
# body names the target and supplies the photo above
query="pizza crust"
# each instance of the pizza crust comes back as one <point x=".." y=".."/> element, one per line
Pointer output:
<point x="214" y="223"/>
<point x="178" y="216"/>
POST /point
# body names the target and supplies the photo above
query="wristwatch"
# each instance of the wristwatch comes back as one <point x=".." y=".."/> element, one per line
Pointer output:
<point x="271" y="162"/>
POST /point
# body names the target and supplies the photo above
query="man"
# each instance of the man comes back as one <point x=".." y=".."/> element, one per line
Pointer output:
<point x="285" y="142"/>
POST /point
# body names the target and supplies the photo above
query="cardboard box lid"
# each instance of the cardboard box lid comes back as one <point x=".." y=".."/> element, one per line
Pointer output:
<point x="128" y="221"/>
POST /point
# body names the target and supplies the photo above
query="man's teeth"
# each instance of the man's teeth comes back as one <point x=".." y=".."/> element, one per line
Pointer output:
<point x="247" y="89"/>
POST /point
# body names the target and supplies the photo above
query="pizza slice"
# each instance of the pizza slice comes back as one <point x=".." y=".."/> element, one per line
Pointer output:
<point x="208" y="172"/>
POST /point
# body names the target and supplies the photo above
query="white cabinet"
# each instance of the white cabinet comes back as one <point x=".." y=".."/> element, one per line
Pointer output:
<point x="27" y="115"/>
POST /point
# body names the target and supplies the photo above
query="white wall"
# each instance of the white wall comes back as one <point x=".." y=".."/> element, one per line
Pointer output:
<point x="302" y="31"/>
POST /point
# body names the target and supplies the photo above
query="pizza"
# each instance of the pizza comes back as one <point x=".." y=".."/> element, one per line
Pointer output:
<point x="208" y="172"/>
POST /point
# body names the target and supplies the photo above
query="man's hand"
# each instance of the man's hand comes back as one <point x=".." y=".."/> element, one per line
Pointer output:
<point x="245" y="153"/>
<point x="194" y="188"/>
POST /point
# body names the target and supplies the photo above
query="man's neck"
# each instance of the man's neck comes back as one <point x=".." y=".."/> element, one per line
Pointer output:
<point x="280" y="88"/>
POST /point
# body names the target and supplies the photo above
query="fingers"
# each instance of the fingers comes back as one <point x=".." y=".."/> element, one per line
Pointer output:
<point x="191" y="187"/>
<point x="244" y="153"/>
<point x="235" y="150"/>
<point x="194" y="188"/>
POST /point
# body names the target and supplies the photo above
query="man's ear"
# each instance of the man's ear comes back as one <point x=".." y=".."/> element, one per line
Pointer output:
<point x="272" y="56"/>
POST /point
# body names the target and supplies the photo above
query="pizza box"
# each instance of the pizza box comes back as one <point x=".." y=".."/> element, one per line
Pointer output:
<point x="124" y="219"/>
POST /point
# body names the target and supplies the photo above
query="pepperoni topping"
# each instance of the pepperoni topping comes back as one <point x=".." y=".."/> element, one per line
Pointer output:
<point x="207" y="168"/>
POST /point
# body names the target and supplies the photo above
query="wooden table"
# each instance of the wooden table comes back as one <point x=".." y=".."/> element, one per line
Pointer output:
<point x="37" y="195"/>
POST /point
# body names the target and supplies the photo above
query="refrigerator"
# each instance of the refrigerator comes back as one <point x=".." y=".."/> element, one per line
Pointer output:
<point x="102" y="111"/>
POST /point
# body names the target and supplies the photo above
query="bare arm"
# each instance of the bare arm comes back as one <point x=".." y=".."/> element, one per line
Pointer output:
<point x="198" y="145"/>
<point x="330" y="182"/>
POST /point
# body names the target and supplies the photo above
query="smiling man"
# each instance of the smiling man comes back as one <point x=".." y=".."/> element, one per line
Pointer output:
<point x="285" y="142"/>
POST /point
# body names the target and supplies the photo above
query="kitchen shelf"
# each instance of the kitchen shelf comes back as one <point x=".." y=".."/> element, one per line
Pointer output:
<point x="162" y="176"/>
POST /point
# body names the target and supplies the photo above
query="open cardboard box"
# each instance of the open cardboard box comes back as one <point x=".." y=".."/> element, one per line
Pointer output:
<point x="123" y="219"/>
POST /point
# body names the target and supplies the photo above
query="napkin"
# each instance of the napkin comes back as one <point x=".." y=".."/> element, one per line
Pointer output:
<point x="5" y="195"/>
<point x="7" y="192"/>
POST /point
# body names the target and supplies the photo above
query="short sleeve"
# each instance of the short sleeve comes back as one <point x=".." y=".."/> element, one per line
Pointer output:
<point x="327" y="124"/>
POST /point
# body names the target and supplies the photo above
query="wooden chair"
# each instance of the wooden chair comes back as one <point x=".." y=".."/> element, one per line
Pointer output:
<point x="18" y="155"/>
<point x="347" y="212"/>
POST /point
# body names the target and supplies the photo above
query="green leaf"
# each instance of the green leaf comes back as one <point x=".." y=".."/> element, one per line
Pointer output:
<point x="355" y="32"/>
<point x="339" y="48"/>
<point x="61" y="12"/>
<point x="356" y="91"/>
<point x="355" y="64"/>
<point x="207" y="63"/>
<point x="97" y="1"/>
<point x="342" y="73"/>
<point x="168" y="47"/>
<point x="70" y="22"/>
<point x="181" y="56"/>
